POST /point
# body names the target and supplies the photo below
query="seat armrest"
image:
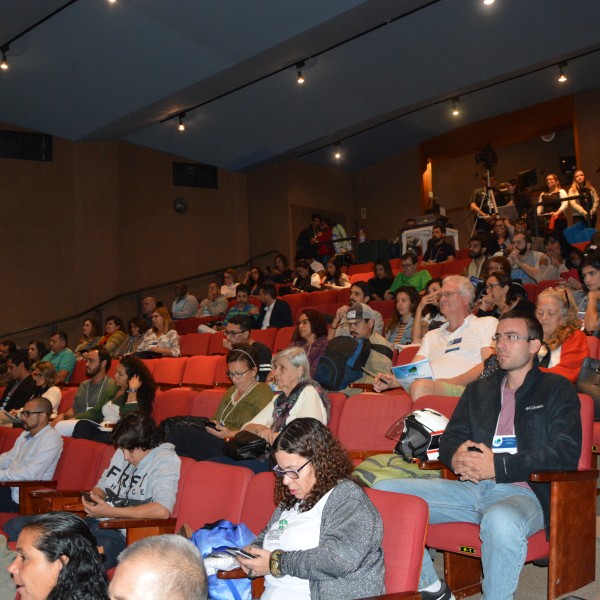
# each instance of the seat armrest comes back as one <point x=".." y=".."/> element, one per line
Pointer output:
<point x="362" y="386"/>
<point x="53" y="493"/>
<point x="132" y="523"/>
<point x="236" y="573"/>
<point x="30" y="483"/>
<point x="550" y="476"/>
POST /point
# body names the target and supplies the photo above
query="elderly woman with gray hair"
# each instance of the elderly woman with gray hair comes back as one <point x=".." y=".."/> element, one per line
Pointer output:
<point x="297" y="396"/>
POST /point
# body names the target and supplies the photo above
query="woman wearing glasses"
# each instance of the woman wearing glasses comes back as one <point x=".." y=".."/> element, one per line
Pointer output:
<point x="161" y="339"/>
<point x="564" y="346"/>
<point x="45" y="378"/>
<point x="242" y="402"/>
<point x="500" y="298"/>
<point x="311" y="336"/>
<point x="324" y="538"/>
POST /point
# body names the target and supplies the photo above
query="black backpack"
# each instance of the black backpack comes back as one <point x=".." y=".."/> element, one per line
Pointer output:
<point x="341" y="364"/>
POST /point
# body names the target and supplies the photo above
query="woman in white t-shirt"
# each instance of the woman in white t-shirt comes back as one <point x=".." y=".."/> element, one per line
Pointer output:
<point x="323" y="541"/>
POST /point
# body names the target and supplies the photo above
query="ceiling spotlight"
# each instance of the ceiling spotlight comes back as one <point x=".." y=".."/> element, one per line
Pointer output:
<point x="4" y="63"/>
<point x="455" y="110"/>
<point x="111" y="1"/>
<point x="300" y="79"/>
<point x="488" y="2"/>
<point x="337" y="153"/>
<point x="562" y="77"/>
<point x="181" y="126"/>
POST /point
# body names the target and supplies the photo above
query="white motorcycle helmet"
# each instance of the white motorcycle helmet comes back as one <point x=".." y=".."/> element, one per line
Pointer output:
<point x="418" y="434"/>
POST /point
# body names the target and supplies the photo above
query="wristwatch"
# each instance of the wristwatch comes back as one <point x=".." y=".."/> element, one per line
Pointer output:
<point x="275" y="563"/>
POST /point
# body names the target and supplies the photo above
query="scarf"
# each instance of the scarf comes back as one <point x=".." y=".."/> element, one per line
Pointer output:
<point x="284" y="404"/>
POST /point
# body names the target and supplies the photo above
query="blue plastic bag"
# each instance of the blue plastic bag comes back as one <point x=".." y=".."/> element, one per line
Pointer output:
<point x="218" y="536"/>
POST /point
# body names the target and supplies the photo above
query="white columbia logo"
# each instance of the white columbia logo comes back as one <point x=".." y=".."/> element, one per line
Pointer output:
<point x="534" y="407"/>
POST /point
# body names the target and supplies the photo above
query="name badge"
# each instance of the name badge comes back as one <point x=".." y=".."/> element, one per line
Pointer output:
<point x="505" y="443"/>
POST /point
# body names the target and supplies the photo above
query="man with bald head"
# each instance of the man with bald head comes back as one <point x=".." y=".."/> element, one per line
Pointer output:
<point x="163" y="567"/>
<point x="149" y="303"/>
<point x="34" y="455"/>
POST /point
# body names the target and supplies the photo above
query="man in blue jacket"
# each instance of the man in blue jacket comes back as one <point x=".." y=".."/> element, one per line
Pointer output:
<point x="506" y="426"/>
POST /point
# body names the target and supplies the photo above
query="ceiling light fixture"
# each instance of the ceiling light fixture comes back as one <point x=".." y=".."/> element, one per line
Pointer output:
<point x="300" y="79"/>
<point x="488" y="2"/>
<point x="562" y="77"/>
<point x="4" y="63"/>
<point x="181" y="126"/>
<point x="337" y="154"/>
<point x="455" y="111"/>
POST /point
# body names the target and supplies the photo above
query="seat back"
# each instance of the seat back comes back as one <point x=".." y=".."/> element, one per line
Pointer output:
<point x="193" y="344"/>
<point x="221" y="377"/>
<point x="283" y="338"/>
<point x="404" y="529"/>
<point x="259" y="502"/>
<point x="361" y="268"/>
<point x="212" y="491"/>
<point x="406" y="355"/>
<point x="587" y="426"/>
<point x="434" y="269"/>
<point x="206" y="402"/>
<point x="593" y="346"/>
<point x="8" y="436"/>
<point x="343" y="296"/>
<point x="215" y="345"/>
<point x="337" y="400"/>
<point x="186" y="464"/>
<point x="265" y="336"/>
<point x="445" y="405"/>
<point x="455" y="267"/>
<point x="200" y="371"/>
<point x="171" y="403"/>
<point x="79" y="464"/>
<point x="321" y="297"/>
<point x="150" y="364"/>
<point x="385" y="307"/>
<point x="366" y="418"/>
<point x="169" y="371"/>
<point x="296" y="301"/>
<point x="78" y="376"/>
<point x="67" y="397"/>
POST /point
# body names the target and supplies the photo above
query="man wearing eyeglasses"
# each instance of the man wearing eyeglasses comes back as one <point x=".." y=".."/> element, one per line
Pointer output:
<point x="241" y="307"/>
<point x="34" y="455"/>
<point x="20" y="388"/>
<point x="515" y="421"/>
<point x="239" y="331"/>
<point x="456" y="350"/>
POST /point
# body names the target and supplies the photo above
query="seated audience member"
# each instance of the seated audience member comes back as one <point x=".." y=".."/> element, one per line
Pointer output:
<point x="44" y="375"/>
<point x="36" y="350"/>
<point x="21" y="386"/>
<point x="114" y="336"/>
<point x="185" y="305"/>
<point x="525" y="262"/>
<point x="360" y="293"/>
<point x="162" y="339"/>
<point x="361" y="320"/>
<point x="230" y="283"/>
<point x="494" y="489"/>
<point x="588" y="299"/>
<point x="315" y="265"/>
<point x="478" y="252"/>
<point x="438" y="250"/>
<point x="34" y="454"/>
<point x="241" y="307"/>
<point x="311" y="336"/>
<point x="335" y="279"/>
<point x="215" y="304"/>
<point x="409" y="276"/>
<point x="161" y="567"/>
<point x="280" y="272"/>
<point x="240" y="404"/>
<point x="399" y="330"/>
<point x="500" y="298"/>
<point x="500" y="238"/>
<point x="98" y="389"/>
<point x="382" y="280"/>
<point x="90" y="334"/>
<point x="137" y="328"/>
<point x="274" y="313"/>
<point x="428" y="315"/>
<point x="299" y="396"/>
<point x="61" y="357"/>
<point x="557" y="253"/>
<point x="6" y="347"/>
<point x="315" y="492"/>
<point x="239" y="331"/>
<point x="499" y="264"/>
<point x="254" y="279"/>
<point x="564" y="346"/>
<point x="306" y="280"/>
<point x="149" y="304"/>
<point x="65" y="559"/>
<point x="456" y="350"/>
<point x="135" y="391"/>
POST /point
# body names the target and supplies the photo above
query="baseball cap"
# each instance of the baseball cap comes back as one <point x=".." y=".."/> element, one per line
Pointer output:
<point x="358" y="312"/>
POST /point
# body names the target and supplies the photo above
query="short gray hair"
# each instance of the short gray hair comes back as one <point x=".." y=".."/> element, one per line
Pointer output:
<point x="297" y="357"/>
<point x="177" y="562"/>
<point x="465" y="287"/>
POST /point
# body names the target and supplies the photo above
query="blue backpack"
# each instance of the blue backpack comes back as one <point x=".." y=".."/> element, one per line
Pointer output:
<point x="218" y="536"/>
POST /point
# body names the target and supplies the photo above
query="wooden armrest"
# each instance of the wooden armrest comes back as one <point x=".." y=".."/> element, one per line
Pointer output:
<point x="237" y="573"/>
<point x="32" y="483"/>
<point x="362" y="386"/>
<point x="133" y="523"/>
<point x="432" y="465"/>
<point x="549" y="476"/>
<point x="362" y="454"/>
<point x="75" y="507"/>
<point x="52" y="493"/>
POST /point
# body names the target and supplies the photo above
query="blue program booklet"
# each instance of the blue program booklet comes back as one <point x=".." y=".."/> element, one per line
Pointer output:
<point x="406" y="374"/>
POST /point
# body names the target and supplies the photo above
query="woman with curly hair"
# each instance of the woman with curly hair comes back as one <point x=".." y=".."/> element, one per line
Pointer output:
<point x="311" y="336"/>
<point x="136" y="393"/>
<point x="57" y="559"/>
<point x="324" y="538"/>
<point x="399" y="329"/>
<point x="564" y="346"/>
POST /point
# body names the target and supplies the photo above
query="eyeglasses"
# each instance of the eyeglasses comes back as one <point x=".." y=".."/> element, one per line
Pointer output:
<point x="229" y="333"/>
<point x="302" y="322"/>
<point x="236" y="374"/>
<point x="291" y="473"/>
<point x="27" y="413"/>
<point x="37" y="375"/>
<point x="564" y="291"/>
<point x="491" y="286"/>
<point x="445" y="295"/>
<point x="510" y="337"/>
